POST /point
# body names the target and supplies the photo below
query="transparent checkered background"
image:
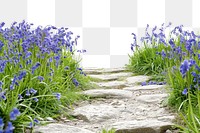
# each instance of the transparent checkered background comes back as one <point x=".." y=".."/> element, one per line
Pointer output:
<point x="105" y="26"/>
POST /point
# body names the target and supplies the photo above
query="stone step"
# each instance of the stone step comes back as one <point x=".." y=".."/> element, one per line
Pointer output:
<point x="152" y="98"/>
<point x="112" y="76"/>
<point x="108" y="93"/>
<point x="95" y="113"/>
<point x="142" y="126"/>
<point x="137" y="79"/>
<point x="112" y="84"/>
<point x="59" y="128"/>
<point x="148" y="89"/>
<point x="101" y="70"/>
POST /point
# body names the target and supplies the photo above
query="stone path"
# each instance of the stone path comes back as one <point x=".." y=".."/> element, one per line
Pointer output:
<point x="120" y="102"/>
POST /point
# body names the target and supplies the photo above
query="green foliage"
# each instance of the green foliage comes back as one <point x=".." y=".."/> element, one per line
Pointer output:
<point x="39" y="75"/>
<point x="178" y="58"/>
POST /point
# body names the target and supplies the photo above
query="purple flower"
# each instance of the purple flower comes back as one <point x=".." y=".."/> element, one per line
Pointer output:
<point x="3" y="95"/>
<point x="28" y="93"/>
<point x="9" y="128"/>
<point x="163" y="54"/>
<point x="184" y="92"/>
<point x="67" y="67"/>
<point x="58" y="95"/>
<point x="40" y="78"/>
<point x="22" y="75"/>
<point x="184" y="67"/>
<point x="35" y="99"/>
<point x="75" y="82"/>
<point x="144" y="83"/>
<point x="1" y="123"/>
<point x="35" y="67"/>
<point x="20" y="96"/>
<point x="33" y="91"/>
<point x="14" y="113"/>
<point x="36" y="121"/>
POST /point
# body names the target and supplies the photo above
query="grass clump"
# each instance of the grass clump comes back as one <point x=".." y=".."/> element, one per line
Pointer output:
<point x="38" y="74"/>
<point x="176" y="60"/>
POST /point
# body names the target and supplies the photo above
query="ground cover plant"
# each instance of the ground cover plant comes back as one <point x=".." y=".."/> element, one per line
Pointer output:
<point x="173" y="57"/>
<point x="38" y="74"/>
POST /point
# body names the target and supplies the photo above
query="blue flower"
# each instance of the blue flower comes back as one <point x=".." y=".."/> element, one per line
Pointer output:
<point x="1" y="123"/>
<point x="163" y="54"/>
<point x="184" y="92"/>
<point x="144" y="83"/>
<point x="40" y="78"/>
<point x="20" y="96"/>
<point x="9" y="128"/>
<point x="22" y="75"/>
<point x="75" y="82"/>
<point x="58" y="95"/>
<point x="28" y="93"/>
<point x="35" y="67"/>
<point x="33" y="91"/>
<point x="184" y="67"/>
<point x="3" y="95"/>
<point x="35" y="99"/>
<point x="36" y="121"/>
<point x="14" y="113"/>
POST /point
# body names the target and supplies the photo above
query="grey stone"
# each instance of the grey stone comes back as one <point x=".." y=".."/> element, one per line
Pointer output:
<point x="154" y="98"/>
<point x="142" y="126"/>
<point x="110" y="77"/>
<point x="95" y="113"/>
<point x="100" y="71"/>
<point x="146" y="87"/>
<point x="112" y="84"/>
<point x="108" y="93"/>
<point x="137" y="79"/>
<point x="59" y="128"/>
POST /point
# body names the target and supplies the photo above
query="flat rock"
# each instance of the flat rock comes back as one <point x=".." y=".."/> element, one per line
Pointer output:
<point x="60" y="128"/>
<point x="108" y="93"/>
<point x="95" y="113"/>
<point x="112" y="76"/>
<point x="142" y="126"/>
<point x="114" y="70"/>
<point x="137" y="79"/>
<point x="105" y="70"/>
<point x="112" y="84"/>
<point x="146" y="87"/>
<point x="154" y="98"/>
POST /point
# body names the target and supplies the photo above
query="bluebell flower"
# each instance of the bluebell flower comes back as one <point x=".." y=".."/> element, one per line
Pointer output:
<point x="58" y="95"/>
<point x="144" y="83"/>
<point x="28" y="92"/>
<point x="75" y="82"/>
<point x="32" y="91"/>
<point x="22" y="75"/>
<point x="1" y="123"/>
<point x="67" y="67"/>
<point x="9" y="128"/>
<point x="163" y="54"/>
<point x="1" y="83"/>
<point x="14" y="113"/>
<point x="40" y="78"/>
<point x="20" y="96"/>
<point x="35" y="67"/>
<point x="185" y="91"/>
<point x="3" y="95"/>
<point x="194" y="74"/>
<point x="1" y="45"/>
<point x="36" y="121"/>
<point x="184" y="67"/>
<point x="171" y="42"/>
<point x="35" y="99"/>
